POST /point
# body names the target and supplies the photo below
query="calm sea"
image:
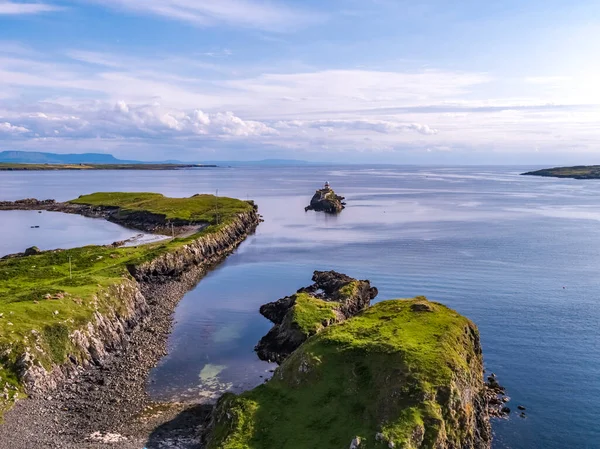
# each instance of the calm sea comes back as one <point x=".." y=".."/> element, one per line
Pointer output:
<point x="520" y="256"/>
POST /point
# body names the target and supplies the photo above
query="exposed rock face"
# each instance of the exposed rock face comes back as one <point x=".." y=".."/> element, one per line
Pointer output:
<point x="108" y="332"/>
<point x="334" y="297"/>
<point x="326" y="200"/>
<point x="402" y="373"/>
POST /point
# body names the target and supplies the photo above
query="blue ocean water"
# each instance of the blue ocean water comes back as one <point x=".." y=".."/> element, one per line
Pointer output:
<point x="518" y="255"/>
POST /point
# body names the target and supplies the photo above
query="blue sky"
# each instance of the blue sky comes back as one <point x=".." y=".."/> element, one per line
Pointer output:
<point x="507" y="82"/>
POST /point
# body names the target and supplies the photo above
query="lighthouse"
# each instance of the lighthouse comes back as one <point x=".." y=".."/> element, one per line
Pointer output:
<point x="327" y="186"/>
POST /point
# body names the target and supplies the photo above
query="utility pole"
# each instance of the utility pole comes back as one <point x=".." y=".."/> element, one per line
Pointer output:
<point x="70" y="270"/>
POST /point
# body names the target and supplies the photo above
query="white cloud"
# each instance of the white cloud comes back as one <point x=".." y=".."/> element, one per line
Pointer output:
<point x="100" y="97"/>
<point x="268" y="16"/>
<point x="124" y="120"/>
<point x="12" y="129"/>
<point x="12" y="8"/>
<point x="378" y="126"/>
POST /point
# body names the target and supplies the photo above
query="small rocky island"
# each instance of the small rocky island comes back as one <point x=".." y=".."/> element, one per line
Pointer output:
<point x="577" y="172"/>
<point x="326" y="200"/>
<point x="398" y="374"/>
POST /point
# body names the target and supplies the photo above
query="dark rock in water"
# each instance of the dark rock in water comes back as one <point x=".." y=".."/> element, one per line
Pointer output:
<point x="334" y="297"/>
<point x="32" y="251"/>
<point x="523" y="415"/>
<point x="520" y="407"/>
<point x="505" y="410"/>
<point x="326" y="200"/>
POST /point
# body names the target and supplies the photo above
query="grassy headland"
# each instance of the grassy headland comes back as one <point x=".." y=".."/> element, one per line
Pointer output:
<point x="46" y="296"/>
<point x="577" y="172"/>
<point x="396" y="375"/>
<point x="6" y="166"/>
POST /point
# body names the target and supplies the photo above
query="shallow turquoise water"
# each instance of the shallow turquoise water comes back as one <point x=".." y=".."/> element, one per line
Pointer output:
<point x="518" y="255"/>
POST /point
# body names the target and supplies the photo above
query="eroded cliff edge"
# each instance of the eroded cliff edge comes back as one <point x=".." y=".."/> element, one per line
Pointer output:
<point x="401" y="373"/>
<point x="56" y="326"/>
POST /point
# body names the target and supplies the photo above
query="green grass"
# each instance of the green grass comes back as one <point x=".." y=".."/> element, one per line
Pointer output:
<point x="311" y="314"/>
<point x="198" y="208"/>
<point x="389" y="370"/>
<point x="577" y="172"/>
<point x="30" y="320"/>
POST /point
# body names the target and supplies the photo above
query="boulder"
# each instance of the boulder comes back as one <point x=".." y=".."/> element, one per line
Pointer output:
<point x="32" y="251"/>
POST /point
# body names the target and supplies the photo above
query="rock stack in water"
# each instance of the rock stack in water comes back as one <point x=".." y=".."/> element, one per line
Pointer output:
<point x="326" y="200"/>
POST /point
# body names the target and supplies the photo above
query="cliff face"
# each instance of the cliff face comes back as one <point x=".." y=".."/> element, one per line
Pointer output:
<point x="402" y="373"/>
<point x="334" y="297"/>
<point x="326" y="200"/>
<point x="107" y="331"/>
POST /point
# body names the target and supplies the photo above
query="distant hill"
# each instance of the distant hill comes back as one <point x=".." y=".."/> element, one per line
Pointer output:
<point x="577" y="172"/>
<point x="34" y="157"/>
<point x="31" y="157"/>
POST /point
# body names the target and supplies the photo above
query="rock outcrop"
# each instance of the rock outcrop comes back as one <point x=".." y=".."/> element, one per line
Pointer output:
<point x="334" y="297"/>
<point x="400" y="374"/>
<point x="326" y="200"/>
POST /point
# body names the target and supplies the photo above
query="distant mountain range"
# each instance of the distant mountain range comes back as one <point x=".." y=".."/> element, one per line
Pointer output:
<point x="33" y="157"/>
<point x="30" y="157"/>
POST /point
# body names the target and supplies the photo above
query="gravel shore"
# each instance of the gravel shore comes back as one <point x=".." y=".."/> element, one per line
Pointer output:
<point x="107" y="406"/>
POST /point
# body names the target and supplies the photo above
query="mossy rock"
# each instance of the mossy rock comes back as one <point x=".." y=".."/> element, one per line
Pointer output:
<point x="395" y="375"/>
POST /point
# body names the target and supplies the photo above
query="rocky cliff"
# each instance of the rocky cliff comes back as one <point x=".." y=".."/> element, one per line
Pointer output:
<point x="108" y="330"/>
<point x="334" y="297"/>
<point x="326" y="200"/>
<point x="402" y="373"/>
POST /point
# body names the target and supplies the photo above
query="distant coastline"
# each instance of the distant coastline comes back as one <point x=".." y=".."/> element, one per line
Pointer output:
<point x="45" y="167"/>
<point x="576" y="172"/>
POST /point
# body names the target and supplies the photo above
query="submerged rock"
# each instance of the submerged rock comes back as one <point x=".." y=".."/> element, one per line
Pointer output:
<point x="326" y="200"/>
<point x="332" y="298"/>
<point x="394" y="375"/>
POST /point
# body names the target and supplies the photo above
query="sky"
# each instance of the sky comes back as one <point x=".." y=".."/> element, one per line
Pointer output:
<point x="356" y="81"/>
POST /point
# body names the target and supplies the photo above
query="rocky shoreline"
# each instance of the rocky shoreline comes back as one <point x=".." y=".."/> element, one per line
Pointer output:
<point x="100" y="398"/>
<point x="142" y="221"/>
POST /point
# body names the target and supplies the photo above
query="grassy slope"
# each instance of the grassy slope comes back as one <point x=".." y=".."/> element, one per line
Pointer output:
<point x="577" y="172"/>
<point x="309" y="313"/>
<point x="377" y="372"/>
<point x="198" y="208"/>
<point x="25" y="281"/>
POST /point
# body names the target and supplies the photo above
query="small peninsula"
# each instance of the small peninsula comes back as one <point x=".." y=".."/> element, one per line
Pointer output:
<point x="403" y="373"/>
<point x="576" y="172"/>
<point x="326" y="200"/>
<point x="84" y="326"/>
